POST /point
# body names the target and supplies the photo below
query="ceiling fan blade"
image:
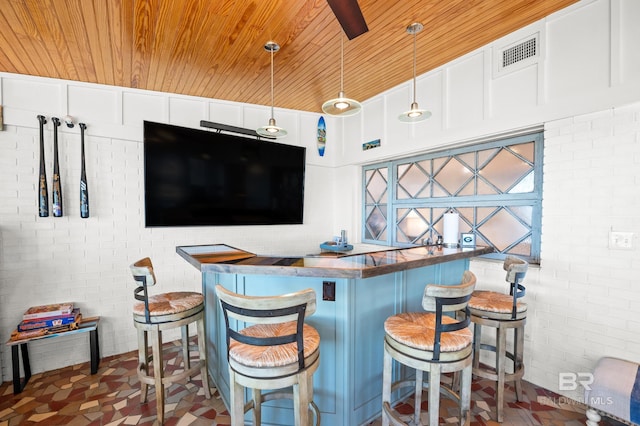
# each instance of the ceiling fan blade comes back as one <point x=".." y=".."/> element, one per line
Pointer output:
<point x="350" y="17"/>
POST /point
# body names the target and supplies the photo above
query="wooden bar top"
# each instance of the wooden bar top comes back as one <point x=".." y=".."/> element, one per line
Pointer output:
<point x="222" y="258"/>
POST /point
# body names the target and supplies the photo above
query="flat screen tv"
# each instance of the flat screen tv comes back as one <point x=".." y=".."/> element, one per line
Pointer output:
<point x="195" y="177"/>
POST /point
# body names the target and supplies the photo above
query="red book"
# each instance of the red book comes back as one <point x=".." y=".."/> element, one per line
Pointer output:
<point x="44" y="311"/>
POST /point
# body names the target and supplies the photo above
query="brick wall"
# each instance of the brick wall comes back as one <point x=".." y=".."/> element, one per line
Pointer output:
<point x="583" y="299"/>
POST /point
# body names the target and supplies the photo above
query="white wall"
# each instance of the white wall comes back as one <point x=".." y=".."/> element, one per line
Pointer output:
<point x="587" y="301"/>
<point x="47" y="260"/>
<point x="584" y="88"/>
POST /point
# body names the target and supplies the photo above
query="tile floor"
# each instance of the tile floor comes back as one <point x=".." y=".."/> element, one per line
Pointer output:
<point x="72" y="397"/>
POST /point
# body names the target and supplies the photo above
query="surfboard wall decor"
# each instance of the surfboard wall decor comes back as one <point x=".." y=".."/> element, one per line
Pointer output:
<point x="322" y="136"/>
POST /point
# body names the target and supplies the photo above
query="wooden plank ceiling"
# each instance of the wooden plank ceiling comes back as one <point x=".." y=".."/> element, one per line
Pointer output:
<point x="214" y="48"/>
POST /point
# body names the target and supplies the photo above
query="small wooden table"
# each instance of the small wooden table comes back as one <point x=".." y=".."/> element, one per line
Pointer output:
<point x="89" y="324"/>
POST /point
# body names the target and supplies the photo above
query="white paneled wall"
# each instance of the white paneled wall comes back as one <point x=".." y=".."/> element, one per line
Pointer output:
<point x="579" y="39"/>
<point x="584" y="88"/>
<point x="587" y="60"/>
<point x="464" y="87"/>
<point x="626" y="16"/>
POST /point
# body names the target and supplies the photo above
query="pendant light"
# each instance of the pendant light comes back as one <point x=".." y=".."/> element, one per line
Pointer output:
<point x="415" y="114"/>
<point x="271" y="130"/>
<point x="341" y="106"/>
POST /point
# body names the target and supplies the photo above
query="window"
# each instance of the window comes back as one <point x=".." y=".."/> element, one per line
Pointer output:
<point x="495" y="187"/>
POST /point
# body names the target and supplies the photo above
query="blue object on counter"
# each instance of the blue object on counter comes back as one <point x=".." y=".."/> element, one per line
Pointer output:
<point x="333" y="246"/>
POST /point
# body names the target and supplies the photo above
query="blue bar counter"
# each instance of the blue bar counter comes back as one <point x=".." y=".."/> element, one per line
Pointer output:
<point x="356" y="293"/>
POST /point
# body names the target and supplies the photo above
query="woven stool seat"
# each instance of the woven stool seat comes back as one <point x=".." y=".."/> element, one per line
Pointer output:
<point x="418" y="330"/>
<point x="487" y="303"/>
<point x="154" y="314"/>
<point x="169" y="303"/>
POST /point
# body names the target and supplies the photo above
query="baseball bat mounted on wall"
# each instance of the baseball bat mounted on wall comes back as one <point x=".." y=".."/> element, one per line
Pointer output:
<point x="84" y="189"/>
<point x="43" y="196"/>
<point x="56" y="203"/>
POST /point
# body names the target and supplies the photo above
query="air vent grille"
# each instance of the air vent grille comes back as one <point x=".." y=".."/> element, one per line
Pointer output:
<point x="519" y="52"/>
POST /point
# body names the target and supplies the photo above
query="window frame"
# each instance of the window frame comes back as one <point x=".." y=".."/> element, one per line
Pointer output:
<point x="532" y="199"/>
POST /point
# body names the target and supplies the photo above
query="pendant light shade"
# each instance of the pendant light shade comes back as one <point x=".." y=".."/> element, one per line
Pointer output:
<point x="415" y="114"/>
<point x="341" y="106"/>
<point x="271" y="130"/>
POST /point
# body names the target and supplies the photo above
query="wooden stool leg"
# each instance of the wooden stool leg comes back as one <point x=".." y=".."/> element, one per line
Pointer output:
<point x="465" y="394"/>
<point x="236" y="400"/>
<point x="434" y="395"/>
<point x="386" y="386"/>
<point x="501" y="355"/>
<point x="257" y="406"/>
<point x="202" y="349"/>
<point x="184" y="331"/>
<point x="418" y="397"/>
<point x="143" y="360"/>
<point x="301" y="401"/>
<point x="518" y="362"/>
<point x="310" y="399"/>
<point x="158" y="373"/>
<point x="477" y="335"/>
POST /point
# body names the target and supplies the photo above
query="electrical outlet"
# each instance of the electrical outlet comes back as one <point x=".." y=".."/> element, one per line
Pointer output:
<point x="620" y="240"/>
<point x="329" y="291"/>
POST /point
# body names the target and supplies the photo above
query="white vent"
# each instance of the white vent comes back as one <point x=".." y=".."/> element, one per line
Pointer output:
<point x="517" y="55"/>
<point x="519" y="52"/>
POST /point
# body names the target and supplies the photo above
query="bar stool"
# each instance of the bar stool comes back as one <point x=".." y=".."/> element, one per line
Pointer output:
<point x="431" y="341"/>
<point x="154" y="314"/>
<point x="279" y="350"/>
<point x="503" y="312"/>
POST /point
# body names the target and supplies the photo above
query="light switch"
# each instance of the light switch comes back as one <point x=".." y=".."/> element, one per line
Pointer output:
<point x="620" y="240"/>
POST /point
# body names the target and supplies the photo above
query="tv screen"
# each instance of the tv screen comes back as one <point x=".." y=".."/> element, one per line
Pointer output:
<point x="196" y="177"/>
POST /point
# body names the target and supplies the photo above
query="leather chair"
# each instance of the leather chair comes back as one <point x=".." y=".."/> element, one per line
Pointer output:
<point x="435" y="341"/>
<point x="153" y="314"/>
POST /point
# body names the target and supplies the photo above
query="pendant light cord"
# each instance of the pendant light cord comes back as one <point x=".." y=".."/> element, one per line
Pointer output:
<point x="272" y="49"/>
<point x="341" y="63"/>
<point x="414" y="114"/>
<point x="414" y="66"/>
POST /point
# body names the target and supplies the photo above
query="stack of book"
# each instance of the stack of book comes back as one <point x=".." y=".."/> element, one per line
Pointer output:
<point x="46" y="319"/>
